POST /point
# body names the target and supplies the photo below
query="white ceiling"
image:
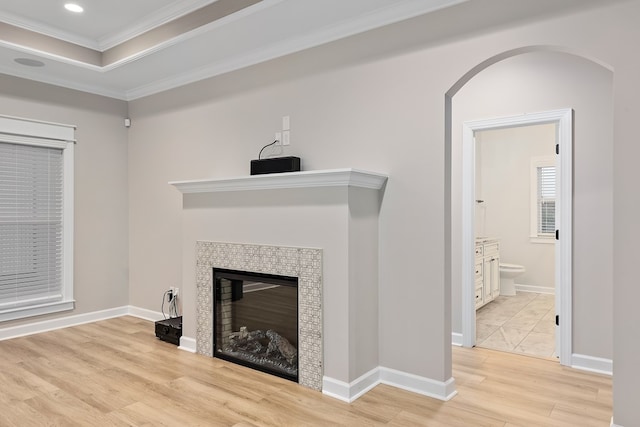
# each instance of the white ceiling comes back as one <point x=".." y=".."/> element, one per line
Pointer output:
<point x="266" y="30"/>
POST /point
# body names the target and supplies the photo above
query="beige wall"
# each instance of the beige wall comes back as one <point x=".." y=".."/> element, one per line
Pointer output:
<point x="101" y="207"/>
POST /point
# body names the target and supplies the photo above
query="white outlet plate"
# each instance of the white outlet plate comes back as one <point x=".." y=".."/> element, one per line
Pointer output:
<point x="286" y="123"/>
<point x="278" y="137"/>
<point x="286" y="138"/>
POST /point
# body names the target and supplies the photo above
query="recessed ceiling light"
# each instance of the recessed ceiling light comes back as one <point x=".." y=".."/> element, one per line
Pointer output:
<point x="29" y="62"/>
<point x="72" y="7"/>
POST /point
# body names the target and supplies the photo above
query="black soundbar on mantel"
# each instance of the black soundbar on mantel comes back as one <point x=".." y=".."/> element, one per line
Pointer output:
<point x="275" y="165"/>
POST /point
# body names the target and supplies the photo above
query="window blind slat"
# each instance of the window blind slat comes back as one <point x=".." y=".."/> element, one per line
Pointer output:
<point x="31" y="219"/>
<point x="546" y="199"/>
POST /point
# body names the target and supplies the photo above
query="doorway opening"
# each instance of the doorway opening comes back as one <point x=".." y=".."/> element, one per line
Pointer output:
<point x="560" y="211"/>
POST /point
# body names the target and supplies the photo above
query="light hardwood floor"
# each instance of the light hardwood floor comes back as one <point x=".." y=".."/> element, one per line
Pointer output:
<point x="116" y="373"/>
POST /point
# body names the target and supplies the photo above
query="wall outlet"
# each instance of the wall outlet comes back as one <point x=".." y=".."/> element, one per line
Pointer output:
<point x="286" y="138"/>
<point x="174" y="292"/>
<point x="286" y="124"/>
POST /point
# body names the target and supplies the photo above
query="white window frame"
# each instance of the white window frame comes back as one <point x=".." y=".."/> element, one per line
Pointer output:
<point x="539" y="162"/>
<point x="16" y="130"/>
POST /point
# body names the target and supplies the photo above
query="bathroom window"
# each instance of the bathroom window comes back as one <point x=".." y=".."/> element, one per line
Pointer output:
<point x="543" y="199"/>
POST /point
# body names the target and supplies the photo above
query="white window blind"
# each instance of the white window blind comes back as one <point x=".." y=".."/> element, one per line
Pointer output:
<point x="31" y="225"/>
<point x="546" y="205"/>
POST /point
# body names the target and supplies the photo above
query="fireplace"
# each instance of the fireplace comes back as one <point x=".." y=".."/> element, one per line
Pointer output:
<point x="304" y="264"/>
<point x="255" y="321"/>
<point x="318" y="226"/>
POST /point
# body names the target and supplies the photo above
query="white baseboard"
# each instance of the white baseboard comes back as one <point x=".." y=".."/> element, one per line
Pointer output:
<point x="536" y="289"/>
<point x="426" y="386"/>
<point x="349" y="392"/>
<point x="79" y="319"/>
<point x="592" y="364"/>
<point x="456" y="339"/>
<point x="61" y="322"/>
<point x="187" y="344"/>
<point x="143" y="313"/>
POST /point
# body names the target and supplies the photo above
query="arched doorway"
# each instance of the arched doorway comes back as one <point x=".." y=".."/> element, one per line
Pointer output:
<point x="551" y="62"/>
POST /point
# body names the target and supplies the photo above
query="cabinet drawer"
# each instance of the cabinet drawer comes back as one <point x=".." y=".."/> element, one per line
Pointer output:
<point x="478" y="270"/>
<point x="491" y="249"/>
<point x="479" y="296"/>
<point x="479" y="250"/>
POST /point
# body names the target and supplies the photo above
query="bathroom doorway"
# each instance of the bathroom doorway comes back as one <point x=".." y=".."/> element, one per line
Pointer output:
<point x="559" y="122"/>
<point x="515" y="239"/>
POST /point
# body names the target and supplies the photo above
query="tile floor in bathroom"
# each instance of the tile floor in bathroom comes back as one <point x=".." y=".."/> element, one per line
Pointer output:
<point x="523" y="323"/>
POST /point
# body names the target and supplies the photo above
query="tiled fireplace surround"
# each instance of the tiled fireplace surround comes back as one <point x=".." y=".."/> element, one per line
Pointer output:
<point x="303" y="263"/>
<point x="320" y="226"/>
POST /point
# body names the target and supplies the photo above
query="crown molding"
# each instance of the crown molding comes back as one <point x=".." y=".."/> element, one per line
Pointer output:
<point x="375" y="19"/>
<point x="295" y="43"/>
<point x="154" y="20"/>
<point x="47" y="30"/>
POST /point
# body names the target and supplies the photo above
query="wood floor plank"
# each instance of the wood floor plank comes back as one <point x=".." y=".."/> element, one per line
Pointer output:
<point x="116" y="373"/>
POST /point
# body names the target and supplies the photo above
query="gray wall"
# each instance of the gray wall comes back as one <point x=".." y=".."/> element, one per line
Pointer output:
<point x="101" y="260"/>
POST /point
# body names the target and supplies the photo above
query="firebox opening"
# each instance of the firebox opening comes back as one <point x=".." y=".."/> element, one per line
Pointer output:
<point x="255" y="321"/>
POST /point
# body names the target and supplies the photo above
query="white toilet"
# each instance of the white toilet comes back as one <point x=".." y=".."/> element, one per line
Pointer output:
<point x="508" y="272"/>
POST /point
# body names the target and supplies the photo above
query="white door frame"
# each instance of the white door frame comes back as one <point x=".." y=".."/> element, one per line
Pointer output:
<point x="564" y="120"/>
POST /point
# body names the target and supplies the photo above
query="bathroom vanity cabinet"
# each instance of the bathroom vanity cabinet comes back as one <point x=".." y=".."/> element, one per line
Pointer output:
<point x="487" y="271"/>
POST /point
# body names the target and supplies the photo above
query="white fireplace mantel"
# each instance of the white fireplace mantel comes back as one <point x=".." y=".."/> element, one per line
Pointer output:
<point x="306" y="179"/>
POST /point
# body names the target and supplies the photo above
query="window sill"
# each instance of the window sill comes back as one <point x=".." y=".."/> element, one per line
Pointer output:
<point x="544" y="240"/>
<point x="38" y="310"/>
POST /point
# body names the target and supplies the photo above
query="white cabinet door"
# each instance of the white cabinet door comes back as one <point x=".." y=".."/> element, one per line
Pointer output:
<point x="486" y="275"/>
<point x="495" y="276"/>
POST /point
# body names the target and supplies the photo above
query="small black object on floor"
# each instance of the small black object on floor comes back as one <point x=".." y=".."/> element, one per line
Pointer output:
<point x="170" y="330"/>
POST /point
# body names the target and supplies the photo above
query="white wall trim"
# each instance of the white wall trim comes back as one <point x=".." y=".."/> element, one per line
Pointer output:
<point x="187" y="344"/>
<point x="349" y="392"/>
<point x="592" y="364"/>
<point x="456" y="339"/>
<point x="61" y="322"/>
<point x="613" y="424"/>
<point x="441" y="390"/>
<point x="80" y="319"/>
<point x="537" y="289"/>
<point x="143" y="313"/>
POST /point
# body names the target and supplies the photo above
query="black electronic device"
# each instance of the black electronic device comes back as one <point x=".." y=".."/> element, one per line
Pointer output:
<point x="170" y="330"/>
<point x="275" y="165"/>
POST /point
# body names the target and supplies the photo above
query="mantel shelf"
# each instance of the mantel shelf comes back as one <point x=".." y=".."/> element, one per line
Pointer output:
<point x="306" y="179"/>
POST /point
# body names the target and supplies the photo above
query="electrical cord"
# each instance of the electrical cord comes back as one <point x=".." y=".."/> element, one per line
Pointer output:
<point x="260" y="153"/>
<point x="173" y="304"/>
<point x="173" y="307"/>
<point x="164" y="297"/>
